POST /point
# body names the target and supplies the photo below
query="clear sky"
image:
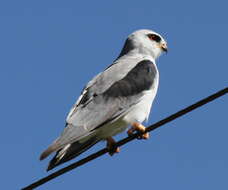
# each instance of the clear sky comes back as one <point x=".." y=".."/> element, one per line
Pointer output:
<point x="50" y="49"/>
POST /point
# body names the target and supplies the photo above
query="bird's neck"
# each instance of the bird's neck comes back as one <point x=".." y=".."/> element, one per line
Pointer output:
<point x="136" y="53"/>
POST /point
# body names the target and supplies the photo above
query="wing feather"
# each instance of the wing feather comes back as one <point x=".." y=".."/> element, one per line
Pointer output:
<point x="107" y="97"/>
<point x="102" y="102"/>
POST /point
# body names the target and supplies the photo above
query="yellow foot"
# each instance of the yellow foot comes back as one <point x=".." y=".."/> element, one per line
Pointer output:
<point x="139" y="128"/>
<point x="111" y="145"/>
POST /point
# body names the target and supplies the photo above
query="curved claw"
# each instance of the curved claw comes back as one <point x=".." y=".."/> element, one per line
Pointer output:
<point x="111" y="145"/>
<point x="140" y="128"/>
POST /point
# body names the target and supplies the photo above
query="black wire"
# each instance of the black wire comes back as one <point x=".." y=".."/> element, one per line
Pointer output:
<point x="127" y="139"/>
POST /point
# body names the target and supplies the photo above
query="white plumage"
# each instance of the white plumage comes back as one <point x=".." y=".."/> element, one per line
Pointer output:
<point x="118" y="97"/>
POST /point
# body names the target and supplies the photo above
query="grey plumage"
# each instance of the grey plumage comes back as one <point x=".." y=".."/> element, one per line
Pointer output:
<point x="121" y="94"/>
<point x="73" y="150"/>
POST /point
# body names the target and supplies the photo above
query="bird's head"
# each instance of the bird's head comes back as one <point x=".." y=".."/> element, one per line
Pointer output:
<point x="146" y="42"/>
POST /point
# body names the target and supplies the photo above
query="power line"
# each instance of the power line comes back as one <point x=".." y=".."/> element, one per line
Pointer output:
<point x="127" y="139"/>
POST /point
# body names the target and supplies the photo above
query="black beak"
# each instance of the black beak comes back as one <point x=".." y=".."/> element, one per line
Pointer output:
<point x="164" y="47"/>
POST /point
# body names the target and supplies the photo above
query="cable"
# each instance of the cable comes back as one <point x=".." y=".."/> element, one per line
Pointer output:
<point x="127" y="139"/>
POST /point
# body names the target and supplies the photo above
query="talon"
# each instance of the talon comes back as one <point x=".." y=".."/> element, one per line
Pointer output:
<point x="130" y="131"/>
<point x="111" y="145"/>
<point x="114" y="151"/>
<point x="140" y="128"/>
<point x="146" y="136"/>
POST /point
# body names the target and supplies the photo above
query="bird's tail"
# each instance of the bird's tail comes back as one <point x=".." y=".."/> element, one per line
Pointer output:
<point x="70" y="151"/>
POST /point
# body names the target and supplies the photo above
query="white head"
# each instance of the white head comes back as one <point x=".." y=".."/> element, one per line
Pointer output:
<point x="145" y="42"/>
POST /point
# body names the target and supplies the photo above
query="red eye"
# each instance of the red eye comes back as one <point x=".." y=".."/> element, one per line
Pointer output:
<point x="154" y="37"/>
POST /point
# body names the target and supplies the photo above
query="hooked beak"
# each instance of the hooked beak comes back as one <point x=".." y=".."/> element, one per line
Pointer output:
<point x="164" y="47"/>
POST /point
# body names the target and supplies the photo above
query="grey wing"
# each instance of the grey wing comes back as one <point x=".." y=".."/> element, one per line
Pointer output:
<point x="100" y="84"/>
<point x="109" y="96"/>
<point x="101" y="104"/>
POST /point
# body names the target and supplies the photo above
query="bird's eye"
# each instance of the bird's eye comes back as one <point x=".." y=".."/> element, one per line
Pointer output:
<point x="154" y="37"/>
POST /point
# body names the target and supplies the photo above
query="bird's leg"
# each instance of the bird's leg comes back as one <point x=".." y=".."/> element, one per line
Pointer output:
<point x="140" y="128"/>
<point x="111" y="145"/>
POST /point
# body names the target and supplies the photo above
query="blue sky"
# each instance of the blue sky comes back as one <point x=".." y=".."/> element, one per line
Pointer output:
<point x="50" y="49"/>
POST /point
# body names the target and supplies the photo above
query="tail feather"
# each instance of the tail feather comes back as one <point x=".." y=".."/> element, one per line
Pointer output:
<point x="49" y="150"/>
<point x="70" y="151"/>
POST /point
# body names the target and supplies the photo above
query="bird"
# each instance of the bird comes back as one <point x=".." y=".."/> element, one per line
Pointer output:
<point x="116" y="100"/>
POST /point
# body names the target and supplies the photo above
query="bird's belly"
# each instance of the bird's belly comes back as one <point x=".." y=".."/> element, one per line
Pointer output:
<point x="112" y="129"/>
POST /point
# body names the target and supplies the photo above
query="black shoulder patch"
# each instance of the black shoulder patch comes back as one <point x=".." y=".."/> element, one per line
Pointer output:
<point x="140" y="78"/>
